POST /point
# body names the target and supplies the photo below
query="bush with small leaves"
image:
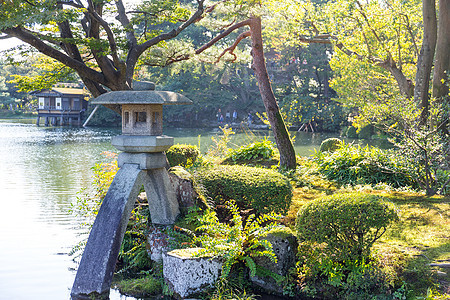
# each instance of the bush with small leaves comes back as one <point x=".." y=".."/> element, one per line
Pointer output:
<point x="330" y="145"/>
<point x="257" y="189"/>
<point x="346" y="224"/>
<point x="182" y="155"/>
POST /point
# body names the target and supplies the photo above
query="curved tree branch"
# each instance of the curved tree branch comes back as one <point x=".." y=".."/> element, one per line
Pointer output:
<point x="27" y="37"/>
<point x="233" y="47"/>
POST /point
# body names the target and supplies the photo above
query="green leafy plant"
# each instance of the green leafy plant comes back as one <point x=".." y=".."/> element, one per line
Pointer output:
<point x="252" y="188"/>
<point x="353" y="164"/>
<point x="235" y="241"/>
<point x="346" y="225"/>
<point x="255" y="151"/>
<point x="182" y="155"/>
<point x="220" y="146"/>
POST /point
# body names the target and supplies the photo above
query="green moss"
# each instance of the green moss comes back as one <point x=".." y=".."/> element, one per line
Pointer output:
<point x="282" y="232"/>
<point x="140" y="287"/>
<point x="186" y="253"/>
<point x="181" y="173"/>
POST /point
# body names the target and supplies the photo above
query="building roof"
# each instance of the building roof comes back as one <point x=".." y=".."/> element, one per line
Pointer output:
<point x="59" y="91"/>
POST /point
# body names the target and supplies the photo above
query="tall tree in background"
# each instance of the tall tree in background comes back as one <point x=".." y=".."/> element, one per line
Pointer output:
<point x="385" y="42"/>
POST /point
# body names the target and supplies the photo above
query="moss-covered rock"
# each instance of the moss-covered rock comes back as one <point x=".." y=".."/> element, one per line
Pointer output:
<point x="185" y="189"/>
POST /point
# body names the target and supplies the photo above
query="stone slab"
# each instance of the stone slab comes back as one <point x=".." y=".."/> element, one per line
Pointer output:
<point x="142" y="143"/>
<point x="186" y="274"/>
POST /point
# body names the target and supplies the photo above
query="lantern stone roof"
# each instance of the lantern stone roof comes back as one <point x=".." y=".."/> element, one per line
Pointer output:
<point x="141" y="97"/>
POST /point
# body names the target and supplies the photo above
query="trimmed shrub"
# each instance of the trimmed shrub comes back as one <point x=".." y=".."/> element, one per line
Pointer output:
<point x="330" y="145"/>
<point x="182" y="155"/>
<point x="261" y="190"/>
<point x="346" y="224"/>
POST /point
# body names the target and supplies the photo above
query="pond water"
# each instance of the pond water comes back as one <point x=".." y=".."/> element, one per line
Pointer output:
<point x="41" y="172"/>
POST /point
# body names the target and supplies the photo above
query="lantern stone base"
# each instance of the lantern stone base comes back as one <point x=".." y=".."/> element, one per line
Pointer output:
<point x="142" y="143"/>
<point x="146" y="161"/>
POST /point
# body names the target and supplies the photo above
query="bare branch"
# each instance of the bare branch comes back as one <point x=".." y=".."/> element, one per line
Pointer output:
<point x="120" y="65"/>
<point x="408" y="26"/>
<point x="70" y="3"/>
<point x="233" y="47"/>
<point x="222" y="35"/>
<point x="174" y="32"/>
<point x="123" y="19"/>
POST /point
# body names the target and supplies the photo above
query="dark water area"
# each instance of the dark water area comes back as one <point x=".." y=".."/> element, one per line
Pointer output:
<point x="42" y="170"/>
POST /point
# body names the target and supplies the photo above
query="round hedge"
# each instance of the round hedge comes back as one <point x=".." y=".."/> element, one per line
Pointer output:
<point x="348" y="224"/>
<point x="330" y="145"/>
<point x="182" y="155"/>
<point x="258" y="189"/>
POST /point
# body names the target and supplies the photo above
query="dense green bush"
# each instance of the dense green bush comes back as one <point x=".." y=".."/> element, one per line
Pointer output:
<point x="182" y="155"/>
<point x="346" y="224"/>
<point x="261" y="190"/>
<point x="351" y="132"/>
<point x="352" y="164"/>
<point x="330" y="145"/>
<point x="255" y="151"/>
<point x="366" y="132"/>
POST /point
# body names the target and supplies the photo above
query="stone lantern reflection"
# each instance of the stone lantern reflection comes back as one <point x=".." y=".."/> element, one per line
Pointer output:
<point x="142" y="163"/>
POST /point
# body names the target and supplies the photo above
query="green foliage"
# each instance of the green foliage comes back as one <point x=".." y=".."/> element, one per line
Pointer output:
<point x="252" y="188"/>
<point x="220" y="146"/>
<point x="346" y="225"/>
<point x="235" y="241"/>
<point x="182" y="155"/>
<point x="133" y="255"/>
<point x="330" y="145"/>
<point x="260" y="150"/>
<point x="366" y="132"/>
<point x="351" y="132"/>
<point x="141" y="287"/>
<point x="323" y="278"/>
<point x="353" y="165"/>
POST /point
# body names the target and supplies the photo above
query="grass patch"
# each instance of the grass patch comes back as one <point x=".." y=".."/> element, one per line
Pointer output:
<point x="139" y="287"/>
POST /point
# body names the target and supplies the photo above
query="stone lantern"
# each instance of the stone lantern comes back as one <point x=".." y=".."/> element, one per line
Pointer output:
<point x="142" y="163"/>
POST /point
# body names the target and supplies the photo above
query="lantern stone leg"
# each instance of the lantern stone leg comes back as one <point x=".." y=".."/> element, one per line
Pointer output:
<point x="96" y="269"/>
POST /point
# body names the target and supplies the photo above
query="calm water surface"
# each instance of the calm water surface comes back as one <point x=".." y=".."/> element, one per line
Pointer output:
<point x="41" y="172"/>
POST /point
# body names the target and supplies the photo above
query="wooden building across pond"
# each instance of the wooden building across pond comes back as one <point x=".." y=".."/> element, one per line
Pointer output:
<point x="61" y="106"/>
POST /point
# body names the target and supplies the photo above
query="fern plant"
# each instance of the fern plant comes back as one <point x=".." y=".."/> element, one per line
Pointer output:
<point x="235" y="241"/>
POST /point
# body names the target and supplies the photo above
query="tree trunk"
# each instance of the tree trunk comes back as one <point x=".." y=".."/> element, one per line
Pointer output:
<point x="426" y="57"/>
<point x="442" y="60"/>
<point x="284" y="143"/>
